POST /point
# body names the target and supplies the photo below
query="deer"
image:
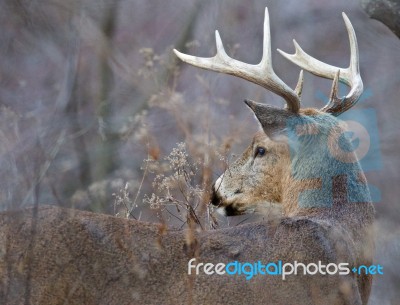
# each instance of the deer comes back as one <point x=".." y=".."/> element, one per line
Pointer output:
<point x="53" y="255"/>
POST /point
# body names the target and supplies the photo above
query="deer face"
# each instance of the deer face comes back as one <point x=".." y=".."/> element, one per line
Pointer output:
<point x="254" y="179"/>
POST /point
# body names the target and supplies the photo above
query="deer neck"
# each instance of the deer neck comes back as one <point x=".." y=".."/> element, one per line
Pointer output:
<point x="324" y="189"/>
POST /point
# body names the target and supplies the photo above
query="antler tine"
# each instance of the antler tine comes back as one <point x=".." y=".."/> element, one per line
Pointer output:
<point x="349" y="76"/>
<point x="261" y="74"/>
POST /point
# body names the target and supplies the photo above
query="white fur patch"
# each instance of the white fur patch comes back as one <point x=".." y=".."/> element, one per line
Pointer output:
<point x="221" y="211"/>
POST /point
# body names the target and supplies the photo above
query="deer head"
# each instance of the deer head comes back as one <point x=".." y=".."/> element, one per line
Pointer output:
<point x="296" y="145"/>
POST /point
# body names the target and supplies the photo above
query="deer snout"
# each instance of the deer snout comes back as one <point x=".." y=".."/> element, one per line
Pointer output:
<point x="224" y="199"/>
<point x="215" y="197"/>
<point x="217" y="201"/>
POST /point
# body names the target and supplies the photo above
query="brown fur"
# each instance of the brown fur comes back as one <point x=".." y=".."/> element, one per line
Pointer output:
<point x="79" y="258"/>
<point x="253" y="181"/>
<point x="61" y="256"/>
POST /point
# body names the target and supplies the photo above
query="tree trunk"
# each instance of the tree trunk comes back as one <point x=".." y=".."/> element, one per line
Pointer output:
<point x="386" y="11"/>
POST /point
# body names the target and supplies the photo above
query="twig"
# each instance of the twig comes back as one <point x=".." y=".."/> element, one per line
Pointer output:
<point x="142" y="181"/>
<point x="45" y="167"/>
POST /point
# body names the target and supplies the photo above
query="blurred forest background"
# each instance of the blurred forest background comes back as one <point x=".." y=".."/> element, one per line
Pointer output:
<point x="96" y="113"/>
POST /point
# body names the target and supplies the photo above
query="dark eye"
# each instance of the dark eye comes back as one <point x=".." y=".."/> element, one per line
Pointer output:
<point x="260" y="151"/>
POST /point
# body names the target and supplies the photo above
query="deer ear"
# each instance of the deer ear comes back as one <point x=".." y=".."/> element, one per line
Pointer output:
<point x="273" y="120"/>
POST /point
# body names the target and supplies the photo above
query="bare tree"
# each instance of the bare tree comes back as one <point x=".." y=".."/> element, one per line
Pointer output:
<point x="386" y="11"/>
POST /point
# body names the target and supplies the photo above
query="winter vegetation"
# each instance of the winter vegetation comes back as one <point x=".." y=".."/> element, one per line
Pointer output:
<point x="97" y="113"/>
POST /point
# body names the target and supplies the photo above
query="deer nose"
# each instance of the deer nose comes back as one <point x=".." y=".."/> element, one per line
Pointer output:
<point x="215" y="198"/>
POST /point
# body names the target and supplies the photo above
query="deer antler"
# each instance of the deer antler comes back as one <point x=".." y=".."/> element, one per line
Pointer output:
<point x="349" y="76"/>
<point x="261" y="74"/>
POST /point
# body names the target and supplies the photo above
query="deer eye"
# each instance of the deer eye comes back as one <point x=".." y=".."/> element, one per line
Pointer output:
<point x="260" y="151"/>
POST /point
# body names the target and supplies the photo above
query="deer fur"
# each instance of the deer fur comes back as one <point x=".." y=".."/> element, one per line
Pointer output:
<point x="61" y="256"/>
